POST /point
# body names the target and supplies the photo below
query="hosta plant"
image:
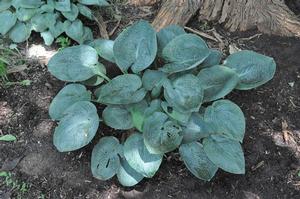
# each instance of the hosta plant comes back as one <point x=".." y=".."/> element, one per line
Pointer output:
<point x="169" y="95"/>
<point x="51" y="18"/>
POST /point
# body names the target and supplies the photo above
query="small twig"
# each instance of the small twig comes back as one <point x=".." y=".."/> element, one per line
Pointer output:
<point x="201" y="34"/>
<point x="115" y="28"/>
<point x="101" y="26"/>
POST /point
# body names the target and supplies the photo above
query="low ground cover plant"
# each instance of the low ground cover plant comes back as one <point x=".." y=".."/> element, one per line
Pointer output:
<point x="169" y="96"/>
<point x="51" y="18"/>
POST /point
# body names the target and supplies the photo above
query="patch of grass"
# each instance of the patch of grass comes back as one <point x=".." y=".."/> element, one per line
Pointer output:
<point x="63" y="42"/>
<point x="11" y="61"/>
<point x="20" y="187"/>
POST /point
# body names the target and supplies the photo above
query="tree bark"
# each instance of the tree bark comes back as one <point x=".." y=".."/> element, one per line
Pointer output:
<point x="268" y="16"/>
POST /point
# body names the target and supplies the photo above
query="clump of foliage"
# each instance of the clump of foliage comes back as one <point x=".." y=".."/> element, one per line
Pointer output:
<point x="169" y="97"/>
<point x="51" y="18"/>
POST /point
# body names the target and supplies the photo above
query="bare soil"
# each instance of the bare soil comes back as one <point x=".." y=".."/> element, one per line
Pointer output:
<point x="272" y="153"/>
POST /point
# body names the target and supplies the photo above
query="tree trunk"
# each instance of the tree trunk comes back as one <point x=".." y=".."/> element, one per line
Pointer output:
<point x="268" y="16"/>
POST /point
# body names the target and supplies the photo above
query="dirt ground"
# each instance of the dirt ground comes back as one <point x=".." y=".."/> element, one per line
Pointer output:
<point x="272" y="152"/>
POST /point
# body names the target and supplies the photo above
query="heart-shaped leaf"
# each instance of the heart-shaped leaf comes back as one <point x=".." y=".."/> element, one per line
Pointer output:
<point x="184" y="52"/>
<point x="225" y="153"/>
<point x="217" y="82"/>
<point x="66" y="97"/>
<point x="253" y="69"/>
<point x="105" y="161"/>
<point x="74" y="64"/>
<point x="136" y="47"/>
<point x="127" y="176"/>
<point x="160" y="134"/>
<point x="104" y="48"/>
<point x="197" y="162"/>
<point x="77" y="128"/>
<point x="213" y="59"/>
<point x="117" y="117"/>
<point x="7" y="21"/>
<point x="19" y="33"/>
<point x="227" y="118"/>
<point x="72" y="14"/>
<point x="139" y="158"/>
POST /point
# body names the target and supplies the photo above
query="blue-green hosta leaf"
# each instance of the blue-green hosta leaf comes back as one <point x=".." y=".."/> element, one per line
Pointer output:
<point x="213" y="59"/>
<point x="153" y="78"/>
<point x="253" y="69"/>
<point x="63" y="5"/>
<point x="41" y="22"/>
<point x="85" y="11"/>
<point x="66" y="97"/>
<point x="48" y="37"/>
<point x="77" y="128"/>
<point x="123" y="89"/>
<point x="160" y="134"/>
<point x="184" y="52"/>
<point x="8" y="138"/>
<point x="74" y="64"/>
<point x="75" y="31"/>
<point x="127" y="176"/>
<point x="136" y="47"/>
<point x="138" y="114"/>
<point x="7" y="21"/>
<point x="105" y="161"/>
<point x="57" y="29"/>
<point x="104" y="48"/>
<point x="197" y="162"/>
<point x="167" y="34"/>
<point x="72" y="14"/>
<point x="196" y="129"/>
<point x="19" y="33"/>
<point x="98" y="78"/>
<point x="25" y="14"/>
<point x="94" y="2"/>
<point x="5" y="4"/>
<point x="227" y="118"/>
<point x="87" y="36"/>
<point x="47" y="8"/>
<point x="139" y="158"/>
<point x="217" y="82"/>
<point x="30" y="3"/>
<point x="225" y="153"/>
<point x="176" y="115"/>
<point x="184" y="93"/>
<point x="117" y="117"/>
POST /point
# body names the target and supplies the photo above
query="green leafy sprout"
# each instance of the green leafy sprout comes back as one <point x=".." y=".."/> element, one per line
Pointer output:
<point x="168" y="97"/>
<point x="21" y="187"/>
<point x="51" y="18"/>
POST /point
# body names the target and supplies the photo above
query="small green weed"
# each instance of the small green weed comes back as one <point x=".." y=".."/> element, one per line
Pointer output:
<point x="63" y="42"/>
<point x="18" y="186"/>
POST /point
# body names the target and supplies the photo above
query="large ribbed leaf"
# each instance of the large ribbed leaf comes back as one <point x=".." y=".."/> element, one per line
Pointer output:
<point x="196" y="129"/>
<point x="123" y="89"/>
<point x="63" y="5"/>
<point x="167" y="34"/>
<point x="253" y="69"/>
<point x="104" y="48"/>
<point x="72" y="14"/>
<point x="213" y="59"/>
<point x="25" y="14"/>
<point x="19" y="33"/>
<point x="217" y="82"/>
<point x="197" y="162"/>
<point x="41" y="22"/>
<point x="76" y="31"/>
<point x="77" y="128"/>
<point x="160" y="134"/>
<point x="173" y="113"/>
<point x="184" y="93"/>
<point x="136" y="47"/>
<point x="85" y="11"/>
<point x="57" y="29"/>
<point x="225" y="153"/>
<point x="127" y="176"/>
<point x="184" y="52"/>
<point x="7" y="21"/>
<point x="139" y="158"/>
<point x="66" y="97"/>
<point x="117" y="117"/>
<point x="74" y="63"/>
<point x="227" y="118"/>
<point x="105" y="161"/>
